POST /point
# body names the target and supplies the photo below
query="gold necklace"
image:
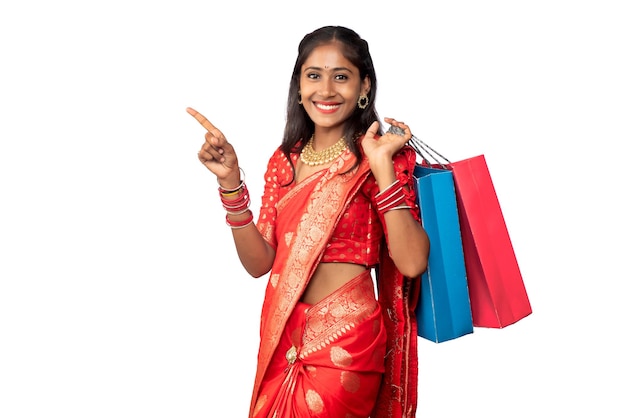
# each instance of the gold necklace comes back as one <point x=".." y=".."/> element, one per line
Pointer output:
<point x="311" y="157"/>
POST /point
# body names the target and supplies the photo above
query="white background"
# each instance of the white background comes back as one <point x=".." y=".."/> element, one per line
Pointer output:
<point x="120" y="290"/>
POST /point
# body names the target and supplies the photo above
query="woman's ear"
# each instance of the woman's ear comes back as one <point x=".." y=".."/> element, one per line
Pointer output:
<point x="366" y="84"/>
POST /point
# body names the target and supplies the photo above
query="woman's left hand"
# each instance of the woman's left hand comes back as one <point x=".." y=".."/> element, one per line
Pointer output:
<point x="387" y="145"/>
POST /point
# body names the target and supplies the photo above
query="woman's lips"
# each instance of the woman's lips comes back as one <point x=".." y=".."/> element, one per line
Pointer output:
<point x="326" y="107"/>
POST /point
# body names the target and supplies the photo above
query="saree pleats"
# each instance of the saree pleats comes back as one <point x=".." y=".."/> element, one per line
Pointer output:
<point x="330" y="359"/>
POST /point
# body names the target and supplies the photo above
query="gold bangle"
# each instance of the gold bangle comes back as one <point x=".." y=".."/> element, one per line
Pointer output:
<point x="234" y="192"/>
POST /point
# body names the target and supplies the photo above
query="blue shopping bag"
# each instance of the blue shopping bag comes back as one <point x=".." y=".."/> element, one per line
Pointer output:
<point x="443" y="310"/>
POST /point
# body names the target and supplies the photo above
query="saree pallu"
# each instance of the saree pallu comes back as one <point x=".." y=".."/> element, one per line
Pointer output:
<point x="330" y="359"/>
<point x="305" y="218"/>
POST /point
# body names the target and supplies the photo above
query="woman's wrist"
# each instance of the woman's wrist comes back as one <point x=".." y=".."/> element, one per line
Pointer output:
<point x="227" y="186"/>
<point x="391" y="197"/>
<point x="236" y="203"/>
<point x="233" y="183"/>
<point x="384" y="172"/>
<point x="385" y="179"/>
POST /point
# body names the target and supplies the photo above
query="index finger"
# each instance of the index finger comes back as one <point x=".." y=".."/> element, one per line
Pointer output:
<point x="200" y="118"/>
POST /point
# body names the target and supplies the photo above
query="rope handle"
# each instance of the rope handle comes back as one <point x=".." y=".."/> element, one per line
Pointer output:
<point x="422" y="148"/>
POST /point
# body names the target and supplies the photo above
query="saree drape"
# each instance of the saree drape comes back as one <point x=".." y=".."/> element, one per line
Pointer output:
<point x="330" y="359"/>
<point x="306" y="217"/>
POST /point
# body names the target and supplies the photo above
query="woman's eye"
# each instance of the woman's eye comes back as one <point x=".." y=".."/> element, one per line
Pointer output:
<point x="313" y="76"/>
<point x="341" y="77"/>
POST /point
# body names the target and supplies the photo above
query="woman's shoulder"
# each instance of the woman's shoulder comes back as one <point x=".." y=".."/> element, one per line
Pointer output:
<point x="279" y="168"/>
<point x="278" y="157"/>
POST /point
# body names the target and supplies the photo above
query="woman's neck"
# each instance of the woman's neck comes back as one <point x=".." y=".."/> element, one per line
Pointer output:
<point x="324" y="138"/>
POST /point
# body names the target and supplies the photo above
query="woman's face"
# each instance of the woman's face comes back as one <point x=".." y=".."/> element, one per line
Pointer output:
<point x="330" y="87"/>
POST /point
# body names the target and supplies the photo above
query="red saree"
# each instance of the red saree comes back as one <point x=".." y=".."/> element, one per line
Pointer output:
<point x="328" y="360"/>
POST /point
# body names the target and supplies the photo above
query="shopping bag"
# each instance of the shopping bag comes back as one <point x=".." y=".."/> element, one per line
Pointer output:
<point x="443" y="309"/>
<point x="497" y="292"/>
<point x="498" y="296"/>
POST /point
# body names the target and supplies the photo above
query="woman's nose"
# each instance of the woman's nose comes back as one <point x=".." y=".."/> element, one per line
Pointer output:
<point x="326" y="88"/>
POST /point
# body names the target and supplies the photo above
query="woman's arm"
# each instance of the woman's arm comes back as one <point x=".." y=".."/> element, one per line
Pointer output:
<point x="255" y="254"/>
<point x="219" y="156"/>
<point x="407" y="241"/>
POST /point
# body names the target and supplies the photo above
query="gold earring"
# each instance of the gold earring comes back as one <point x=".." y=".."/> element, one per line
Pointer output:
<point x="299" y="97"/>
<point x="363" y="101"/>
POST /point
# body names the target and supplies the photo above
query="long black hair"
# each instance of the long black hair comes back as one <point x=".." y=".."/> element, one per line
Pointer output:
<point x="299" y="125"/>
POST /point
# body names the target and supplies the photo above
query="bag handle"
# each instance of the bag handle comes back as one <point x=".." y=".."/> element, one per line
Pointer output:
<point x="417" y="143"/>
<point x="422" y="148"/>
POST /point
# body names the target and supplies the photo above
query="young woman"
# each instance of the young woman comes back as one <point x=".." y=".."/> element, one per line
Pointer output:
<point x="338" y="203"/>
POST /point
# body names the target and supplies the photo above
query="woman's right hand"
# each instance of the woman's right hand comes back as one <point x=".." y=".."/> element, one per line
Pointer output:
<point x="217" y="154"/>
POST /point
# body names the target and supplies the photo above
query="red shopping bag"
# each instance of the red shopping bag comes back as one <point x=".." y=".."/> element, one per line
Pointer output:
<point x="497" y="293"/>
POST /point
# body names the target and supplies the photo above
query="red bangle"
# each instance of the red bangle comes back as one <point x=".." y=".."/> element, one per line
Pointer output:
<point x="392" y="204"/>
<point x="389" y="198"/>
<point x="388" y="190"/>
<point x="237" y="207"/>
<point x="239" y="224"/>
<point x="239" y="204"/>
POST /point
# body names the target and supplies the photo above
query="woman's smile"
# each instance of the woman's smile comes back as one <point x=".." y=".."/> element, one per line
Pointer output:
<point x="326" y="107"/>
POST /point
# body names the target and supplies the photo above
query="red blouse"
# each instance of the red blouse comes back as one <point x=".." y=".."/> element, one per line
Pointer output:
<point x="358" y="235"/>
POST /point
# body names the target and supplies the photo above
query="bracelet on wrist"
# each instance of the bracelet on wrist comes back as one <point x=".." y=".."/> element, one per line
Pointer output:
<point x="239" y="224"/>
<point x="399" y="207"/>
<point x="391" y="198"/>
<point x="388" y="189"/>
<point x="239" y="203"/>
<point x="242" y="176"/>
<point x="234" y="192"/>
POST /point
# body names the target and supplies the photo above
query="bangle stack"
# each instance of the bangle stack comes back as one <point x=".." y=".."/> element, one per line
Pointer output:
<point x="391" y="198"/>
<point x="236" y="202"/>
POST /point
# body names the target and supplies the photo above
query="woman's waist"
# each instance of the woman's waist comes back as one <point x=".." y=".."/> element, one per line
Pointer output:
<point x="330" y="277"/>
<point x="342" y="316"/>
